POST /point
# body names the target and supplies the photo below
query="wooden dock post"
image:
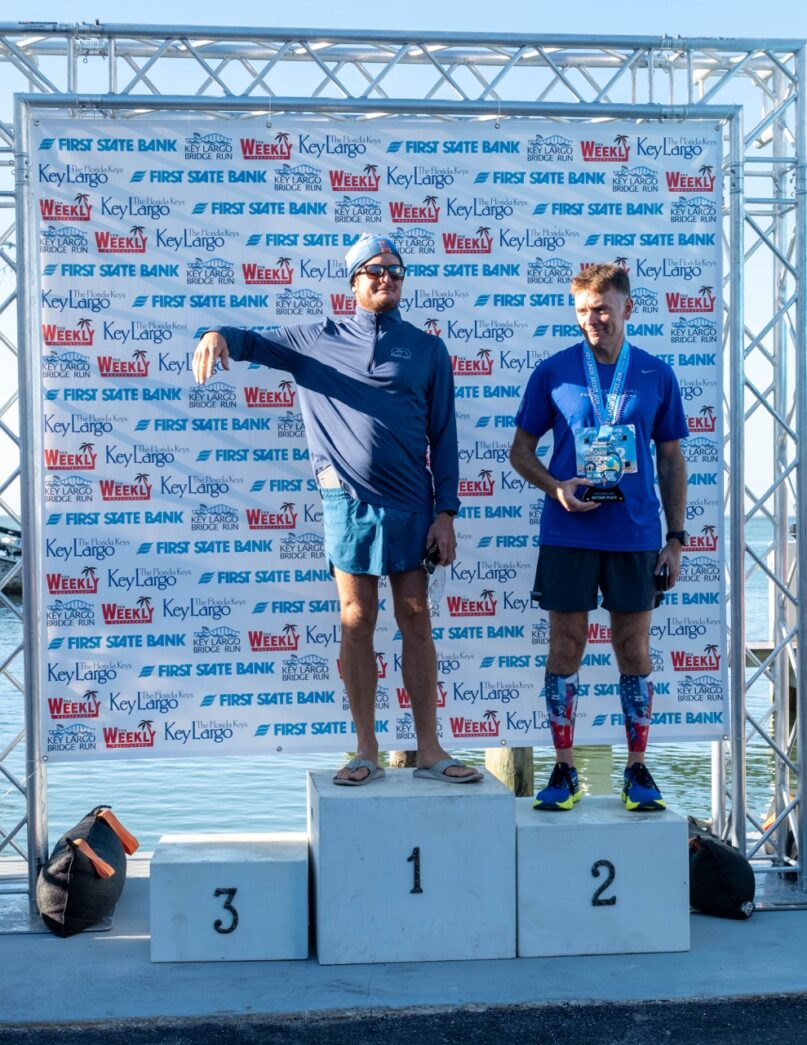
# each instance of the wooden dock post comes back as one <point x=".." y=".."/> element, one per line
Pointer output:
<point x="513" y="766"/>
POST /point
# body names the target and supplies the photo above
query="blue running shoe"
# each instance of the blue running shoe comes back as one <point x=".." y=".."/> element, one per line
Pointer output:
<point x="562" y="791"/>
<point x="639" y="792"/>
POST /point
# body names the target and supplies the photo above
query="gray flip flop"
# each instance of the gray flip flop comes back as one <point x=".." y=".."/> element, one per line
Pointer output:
<point x="438" y="772"/>
<point x="375" y="773"/>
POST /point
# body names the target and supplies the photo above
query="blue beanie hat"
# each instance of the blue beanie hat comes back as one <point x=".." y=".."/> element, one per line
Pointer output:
<point x="366" y="247"/>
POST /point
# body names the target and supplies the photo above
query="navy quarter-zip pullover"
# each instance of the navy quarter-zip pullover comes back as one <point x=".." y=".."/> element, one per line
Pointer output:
<point x="377" y="399"/>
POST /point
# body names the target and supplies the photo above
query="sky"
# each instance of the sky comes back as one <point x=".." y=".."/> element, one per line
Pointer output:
<point x="690" y="18"/>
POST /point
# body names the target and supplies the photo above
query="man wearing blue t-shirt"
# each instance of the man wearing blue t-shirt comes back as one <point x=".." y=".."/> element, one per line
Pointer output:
<point x="604" y="401"/>
<point x="377" y="399"/>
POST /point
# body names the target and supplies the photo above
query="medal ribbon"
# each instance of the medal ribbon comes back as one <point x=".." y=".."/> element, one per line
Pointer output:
<point x="606" y="413"/>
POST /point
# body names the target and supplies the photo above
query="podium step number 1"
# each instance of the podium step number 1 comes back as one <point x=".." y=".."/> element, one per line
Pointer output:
<point x="412" y="870"/>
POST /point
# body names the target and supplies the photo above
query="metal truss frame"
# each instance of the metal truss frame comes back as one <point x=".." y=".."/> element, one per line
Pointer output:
<point x="754" y="89"/>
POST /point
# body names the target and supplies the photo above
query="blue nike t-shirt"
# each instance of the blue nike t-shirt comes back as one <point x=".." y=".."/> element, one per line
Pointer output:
<point x="557" y="400"/>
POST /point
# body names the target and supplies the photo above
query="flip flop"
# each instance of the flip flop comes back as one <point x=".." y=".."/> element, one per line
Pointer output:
<point x="375" y="773"/>
<point x="438" y="772"/>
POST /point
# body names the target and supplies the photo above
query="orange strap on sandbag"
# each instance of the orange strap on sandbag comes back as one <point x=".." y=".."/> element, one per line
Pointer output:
<point x="102" y="868"/>
<point x="128" y="841"/>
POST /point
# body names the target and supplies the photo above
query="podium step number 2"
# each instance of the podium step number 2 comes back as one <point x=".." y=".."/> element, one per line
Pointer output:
<point x="601" y="880"/>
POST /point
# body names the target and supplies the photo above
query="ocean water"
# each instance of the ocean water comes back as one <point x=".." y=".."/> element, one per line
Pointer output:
<point x="268" y="793"/>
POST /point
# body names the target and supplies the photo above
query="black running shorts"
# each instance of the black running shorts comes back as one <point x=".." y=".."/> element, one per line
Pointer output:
<point x="567" y="580"/>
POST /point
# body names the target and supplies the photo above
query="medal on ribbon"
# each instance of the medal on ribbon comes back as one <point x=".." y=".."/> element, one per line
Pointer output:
<point x="603" y="456"/>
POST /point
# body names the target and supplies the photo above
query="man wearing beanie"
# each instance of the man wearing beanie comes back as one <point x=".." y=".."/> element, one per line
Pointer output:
<point x="377" y="399"/>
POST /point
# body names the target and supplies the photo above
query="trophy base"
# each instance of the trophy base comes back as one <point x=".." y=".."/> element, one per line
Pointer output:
<point x="611" y="495"/>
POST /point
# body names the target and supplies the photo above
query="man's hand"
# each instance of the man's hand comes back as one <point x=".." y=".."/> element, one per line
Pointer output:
<point x="523" y="459"/>
<point x="565" y="493"/>
<point x="671" y="555"/>
<point x="211" y="348"/>
<point x="441" y="533"/>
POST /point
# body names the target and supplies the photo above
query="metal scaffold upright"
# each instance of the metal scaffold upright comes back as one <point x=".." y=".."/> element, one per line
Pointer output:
<point x="751" y="89"/>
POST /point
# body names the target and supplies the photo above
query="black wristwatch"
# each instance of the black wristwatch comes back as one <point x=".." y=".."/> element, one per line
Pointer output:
<point x="677" y="535"/>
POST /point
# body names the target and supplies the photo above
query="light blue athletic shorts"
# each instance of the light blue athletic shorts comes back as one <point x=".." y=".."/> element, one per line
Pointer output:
<point x="366" y="538"/>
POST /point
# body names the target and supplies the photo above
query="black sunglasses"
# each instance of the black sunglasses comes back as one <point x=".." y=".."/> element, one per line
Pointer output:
<point x="395" y="272"/>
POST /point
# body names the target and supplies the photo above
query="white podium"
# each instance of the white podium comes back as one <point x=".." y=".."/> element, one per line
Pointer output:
<point x="406" y="869"/>
<point x="239" y="897"/>
<point x="600" y="880"/>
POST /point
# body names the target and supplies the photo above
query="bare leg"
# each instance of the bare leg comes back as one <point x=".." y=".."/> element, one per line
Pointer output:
<point x="419" y="665"/>
<point x="358" y="598"/>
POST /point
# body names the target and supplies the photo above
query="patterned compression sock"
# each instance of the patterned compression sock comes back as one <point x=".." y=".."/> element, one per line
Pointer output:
<point x="561" y="703"/>
<point x="636" y="696"/>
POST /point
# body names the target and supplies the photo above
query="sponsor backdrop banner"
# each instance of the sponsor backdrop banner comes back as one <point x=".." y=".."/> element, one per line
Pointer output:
<point x="187" y="605"/>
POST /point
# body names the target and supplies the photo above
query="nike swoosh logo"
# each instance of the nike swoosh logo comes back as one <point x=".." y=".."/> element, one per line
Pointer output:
<point x="650" y="371"/>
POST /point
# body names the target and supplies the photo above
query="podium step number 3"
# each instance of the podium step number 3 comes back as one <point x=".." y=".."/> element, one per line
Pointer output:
<point x="229" y="897"/>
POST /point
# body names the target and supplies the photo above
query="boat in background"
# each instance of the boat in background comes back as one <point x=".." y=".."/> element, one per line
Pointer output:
<point x="10" y="556"/>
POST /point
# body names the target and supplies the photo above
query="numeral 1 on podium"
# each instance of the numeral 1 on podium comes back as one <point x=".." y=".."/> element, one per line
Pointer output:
<point x="414" y="858"/>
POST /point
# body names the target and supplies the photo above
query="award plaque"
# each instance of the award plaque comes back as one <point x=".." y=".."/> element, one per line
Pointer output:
<point x="604" y="467"/>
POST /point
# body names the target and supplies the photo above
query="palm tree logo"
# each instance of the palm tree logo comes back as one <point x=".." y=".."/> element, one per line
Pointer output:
<point x="483" y="232"/>
<point x="287" y="508"/>
<point x="87" y="448"/>
<point x="283" y="388"/>
<point x="283" y="140"/>
<point x="486" y="475"/>
<point x="622" y="262"/>
<point x="85" y="326"/>
<point x="137" y="231"/>
<point x="710" y="650"/>
<point x="371" y="170"/>
<point x="89" y="574"/>
<point x="490" y="716"/>
<point x="621" y="140"/>
<point x="430" y="202"/>
<point x="431" y="327"/>
<point x="284" y="263"/>
<point x="141" y="478"/>
<point x="706" y="292"/>
<point x="705" y="171"/>
<point x="708" y="530"/>
<point x="145" y="725"/>
<point x="487" y="595"/>
<point x="290" y="631"/>
<point x="82" y="199"/>
<point x="144" y="604"/>
<point x="139" y="356"/>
